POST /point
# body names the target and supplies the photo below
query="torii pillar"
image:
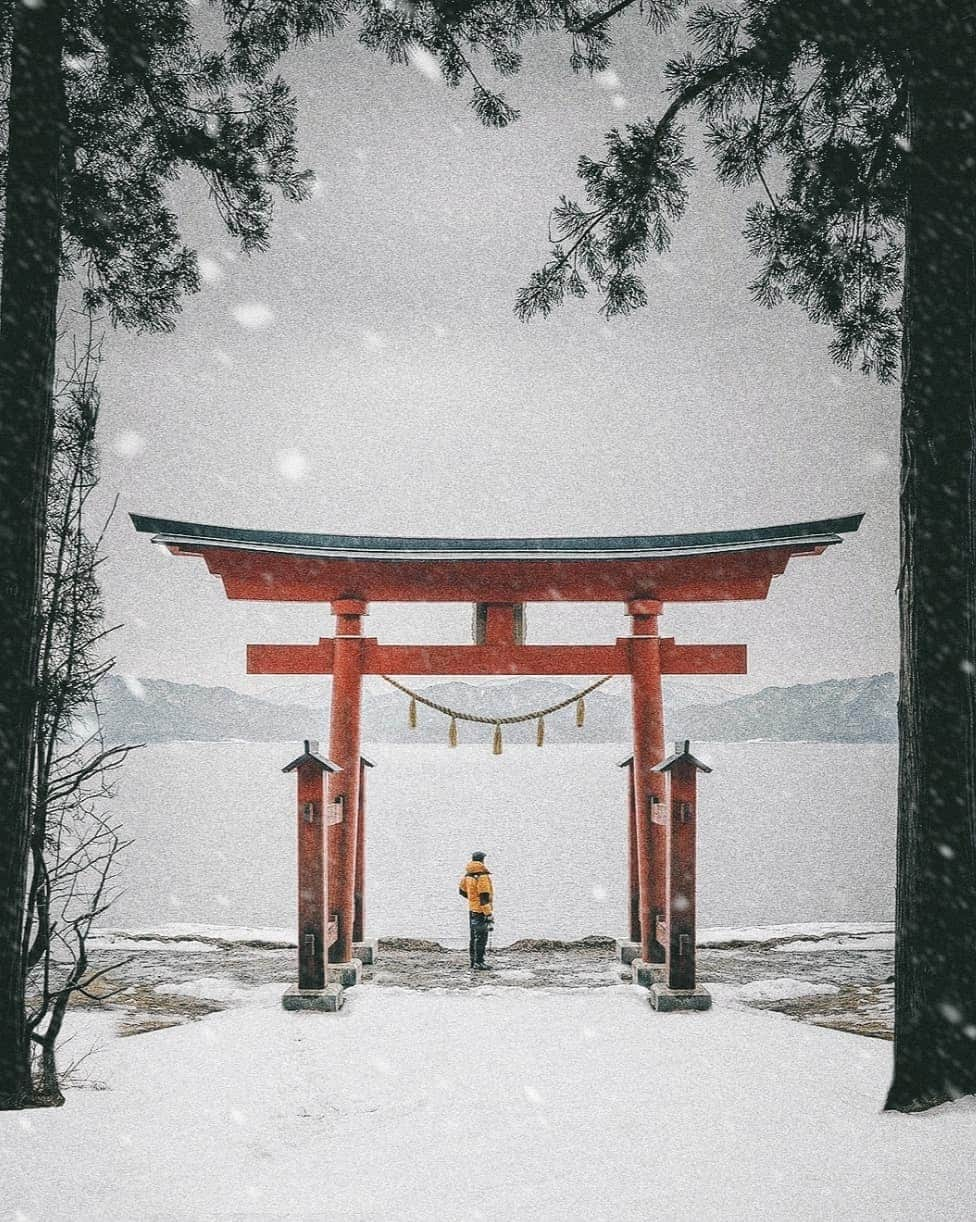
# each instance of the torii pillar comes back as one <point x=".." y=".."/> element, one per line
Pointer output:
<point x="364" y="951"/>
<point x="649" y="786"/>
<point x="629" y="950"/>
<point x="344" y="747"/>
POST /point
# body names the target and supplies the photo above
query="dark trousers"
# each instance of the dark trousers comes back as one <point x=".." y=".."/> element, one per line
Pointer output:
<point x="479" y="936"/>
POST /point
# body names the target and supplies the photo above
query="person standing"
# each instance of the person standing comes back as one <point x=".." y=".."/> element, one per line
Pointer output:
<point x="476" y="888"/>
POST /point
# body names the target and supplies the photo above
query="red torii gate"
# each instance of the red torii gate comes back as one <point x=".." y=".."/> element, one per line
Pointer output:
<point x="499" y="576"/>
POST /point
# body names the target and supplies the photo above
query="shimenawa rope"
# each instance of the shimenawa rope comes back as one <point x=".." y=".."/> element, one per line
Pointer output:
<point x="457" y="715"/>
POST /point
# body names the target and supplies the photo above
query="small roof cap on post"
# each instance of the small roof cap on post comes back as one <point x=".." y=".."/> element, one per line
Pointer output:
<point x="682" y="755"/>
<point x="624" y="763"/>
<point x="365" y="762"/>
<point x="311" y="756"/>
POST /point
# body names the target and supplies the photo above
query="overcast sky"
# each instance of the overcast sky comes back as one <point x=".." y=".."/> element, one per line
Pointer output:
<point x="367" y="375"/>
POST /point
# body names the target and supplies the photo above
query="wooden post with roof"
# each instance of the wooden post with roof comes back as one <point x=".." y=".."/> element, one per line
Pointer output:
<point x="317" y="929"/>
<point x="678" y="934"/>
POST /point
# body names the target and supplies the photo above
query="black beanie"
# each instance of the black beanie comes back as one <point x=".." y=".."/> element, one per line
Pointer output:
<point x="477" y="856"/>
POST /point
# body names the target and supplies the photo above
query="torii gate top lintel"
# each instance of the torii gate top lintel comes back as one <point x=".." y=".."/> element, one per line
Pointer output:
<point x="285" y="566"/>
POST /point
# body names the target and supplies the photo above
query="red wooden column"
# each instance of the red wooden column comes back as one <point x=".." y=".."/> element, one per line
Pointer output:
<point x="314" y="932"/>
<point x="683" y="769"/>
<point x="359" y="913"/>
<point x="649" y="786"/>
<point x="344" y="748"/>
<point x="633" y="873"/>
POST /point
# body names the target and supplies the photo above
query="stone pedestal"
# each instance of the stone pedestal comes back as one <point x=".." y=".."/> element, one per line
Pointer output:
<point x="346" y="974"/>
<point x="628" y="951"/>
<point x="365" y="952"/>
<point x="646" y="974"/>
<point x="662" y="998"/>
<point x="331" y="998"/>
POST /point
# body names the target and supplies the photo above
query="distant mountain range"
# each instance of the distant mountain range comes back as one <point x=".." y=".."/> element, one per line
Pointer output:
<point x="859" y="710"/>
<point x="863" y="710"/>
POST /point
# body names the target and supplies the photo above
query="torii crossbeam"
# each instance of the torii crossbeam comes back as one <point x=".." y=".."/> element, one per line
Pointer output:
<point x="499" y="576"/>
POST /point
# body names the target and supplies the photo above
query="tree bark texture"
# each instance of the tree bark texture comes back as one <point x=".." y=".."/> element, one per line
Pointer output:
<point x="935" y="953"/>
<point x="28" y="332"/>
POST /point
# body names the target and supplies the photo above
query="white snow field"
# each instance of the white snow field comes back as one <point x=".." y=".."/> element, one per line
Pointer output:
<point x="495" y="1104"/>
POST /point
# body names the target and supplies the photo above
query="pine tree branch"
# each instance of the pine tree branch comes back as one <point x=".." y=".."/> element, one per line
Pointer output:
<point x="598" y="19"/>
<point x="711" y="77"/>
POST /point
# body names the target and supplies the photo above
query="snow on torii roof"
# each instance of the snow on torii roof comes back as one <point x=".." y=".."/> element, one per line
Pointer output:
<point x="382" y="547"/>
<point x="301" y="566"/>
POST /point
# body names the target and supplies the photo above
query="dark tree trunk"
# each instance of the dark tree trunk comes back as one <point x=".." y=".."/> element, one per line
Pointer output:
<point x="935" y="955"/>
<point x="28" y="324"/>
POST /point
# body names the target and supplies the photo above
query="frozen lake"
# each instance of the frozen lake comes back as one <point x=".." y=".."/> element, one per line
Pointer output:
<point x="787" y="832"/>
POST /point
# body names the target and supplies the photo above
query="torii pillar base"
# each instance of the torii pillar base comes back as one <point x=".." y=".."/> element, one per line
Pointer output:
<point x="647" y="974"/>
<point x="366" y="952"/>
<point x="664" y="999"/>
<point x="330" y="999"/>
<point x="627" y="952"/>
<point x="346" y="975"/>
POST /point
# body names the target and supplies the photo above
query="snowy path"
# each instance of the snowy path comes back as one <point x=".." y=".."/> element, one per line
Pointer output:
<point x="491" y="1104"/>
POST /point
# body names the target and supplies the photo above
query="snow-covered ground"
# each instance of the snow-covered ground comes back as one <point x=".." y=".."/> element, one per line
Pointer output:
<point x="494" y="1103"/>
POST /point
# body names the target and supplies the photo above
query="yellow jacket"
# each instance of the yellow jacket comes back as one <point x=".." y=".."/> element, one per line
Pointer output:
<point x="476" y="888"/>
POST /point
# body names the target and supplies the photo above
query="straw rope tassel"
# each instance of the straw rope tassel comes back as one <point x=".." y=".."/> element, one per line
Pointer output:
<point x="456" y="715"/>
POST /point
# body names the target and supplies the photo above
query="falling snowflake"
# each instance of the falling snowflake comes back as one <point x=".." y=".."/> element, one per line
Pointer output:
<point x="128" y="444"/>
<point x="292" y="464"/>
<point x="599" y="893"/>
<point x="210" y="270"/>
<point x="252" y="314"/>
<point x="619" y="101"/>
<point x="424" y="62"/>
<point x="373" y="341"/>
<point x="607" y="79"/>
<point x="222" y="358"/>
<point x="134" y="687"/>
